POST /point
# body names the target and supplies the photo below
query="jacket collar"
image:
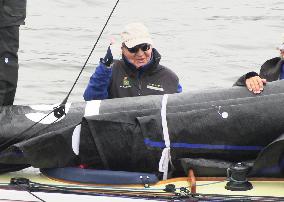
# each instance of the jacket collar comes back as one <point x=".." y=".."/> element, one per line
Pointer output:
<point x="151" y="66"/>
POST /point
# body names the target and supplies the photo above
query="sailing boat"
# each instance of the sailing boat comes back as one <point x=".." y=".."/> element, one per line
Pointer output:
<point x="145" y="138"/>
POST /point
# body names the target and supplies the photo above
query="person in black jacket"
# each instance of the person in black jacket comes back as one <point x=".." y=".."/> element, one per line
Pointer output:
<point x="271" y="70"/>
<point x="12" y="15"/>
<point x="138" y="73"/>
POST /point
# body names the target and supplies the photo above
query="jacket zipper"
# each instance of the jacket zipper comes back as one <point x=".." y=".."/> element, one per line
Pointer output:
<point x="139" y="87"/>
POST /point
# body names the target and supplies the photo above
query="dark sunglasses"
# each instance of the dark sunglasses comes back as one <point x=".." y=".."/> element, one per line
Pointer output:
<point x="144" y="47"/>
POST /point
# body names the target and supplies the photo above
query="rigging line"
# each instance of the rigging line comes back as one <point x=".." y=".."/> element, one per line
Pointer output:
<point x="119" y="189"/>
<point x="66" y="98"/>
<point x="55" y="189"/>
<point x="210" y="183"/>
<point x="42" y="129"/>
<point x="25" y="189"/>
<point x="105" y="188"/>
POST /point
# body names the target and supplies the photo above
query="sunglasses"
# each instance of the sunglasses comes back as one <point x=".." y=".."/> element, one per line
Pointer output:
<point x="144" y="47"/>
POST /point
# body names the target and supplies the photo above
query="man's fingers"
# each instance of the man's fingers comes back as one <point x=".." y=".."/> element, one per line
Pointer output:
<point x="255" y="84"/>
<point x="249" y="84"/>
<point x="256" y="88"/>
<point x="260" y="84"/>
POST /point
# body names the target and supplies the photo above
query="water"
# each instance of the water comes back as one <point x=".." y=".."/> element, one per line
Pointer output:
<point x="209" y="44"/>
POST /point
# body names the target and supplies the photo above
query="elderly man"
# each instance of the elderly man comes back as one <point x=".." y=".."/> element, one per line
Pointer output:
<point x="12" y="15"/>
<point x="138" y="73"/>
<point x="271" y="70"/>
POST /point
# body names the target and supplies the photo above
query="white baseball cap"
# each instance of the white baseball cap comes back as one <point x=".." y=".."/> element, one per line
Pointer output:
<point x="135" y="34"/>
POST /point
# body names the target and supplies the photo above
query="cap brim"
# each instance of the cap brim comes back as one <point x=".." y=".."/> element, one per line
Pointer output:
<point x="135" y="42"/>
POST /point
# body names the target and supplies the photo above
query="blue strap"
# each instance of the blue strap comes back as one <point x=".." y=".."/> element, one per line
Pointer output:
<point x="156" y="144"/>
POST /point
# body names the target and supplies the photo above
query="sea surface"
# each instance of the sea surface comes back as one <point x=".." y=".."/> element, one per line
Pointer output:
<point x="209" y="44"/>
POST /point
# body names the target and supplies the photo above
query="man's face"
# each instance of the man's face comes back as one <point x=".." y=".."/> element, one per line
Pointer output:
<point x="138" y="55"/>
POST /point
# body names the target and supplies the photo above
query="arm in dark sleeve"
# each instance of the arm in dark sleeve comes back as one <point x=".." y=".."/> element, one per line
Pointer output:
<point x="241" y="81"/>
<point x="97" y="88"/>
<point x="268" y="70"/>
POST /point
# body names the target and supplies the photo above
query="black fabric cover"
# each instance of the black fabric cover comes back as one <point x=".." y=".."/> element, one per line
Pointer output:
<point x="43" y="145"/>
<point x="223" y="125"/>
<point x="196" y="128"/>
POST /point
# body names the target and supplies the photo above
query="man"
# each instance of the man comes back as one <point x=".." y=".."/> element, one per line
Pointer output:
<point x="12" y="15"/>
<point x="271" y="70"/>
<point x="138" y="73"/>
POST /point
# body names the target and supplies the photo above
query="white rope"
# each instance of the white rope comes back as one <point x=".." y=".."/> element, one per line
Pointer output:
<point x="166" y="154"/>
<point x="92" y="108"/>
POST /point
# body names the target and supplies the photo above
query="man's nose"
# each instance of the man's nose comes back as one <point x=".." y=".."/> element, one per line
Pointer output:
<point x="140" y="52"/>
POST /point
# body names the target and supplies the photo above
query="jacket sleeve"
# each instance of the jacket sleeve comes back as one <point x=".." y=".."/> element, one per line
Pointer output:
<point x="97" y="88"/>
<point x="269" y="70"/>
<point x="241" y="81"/>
